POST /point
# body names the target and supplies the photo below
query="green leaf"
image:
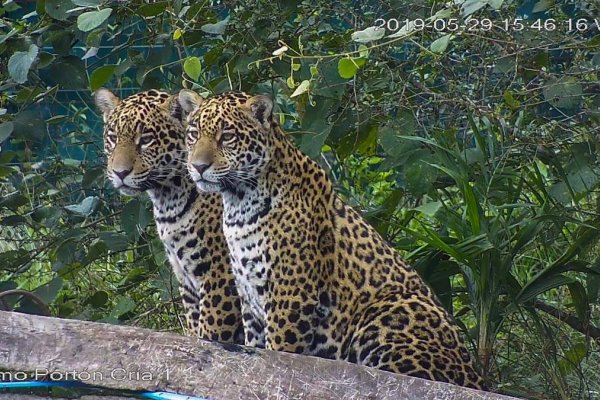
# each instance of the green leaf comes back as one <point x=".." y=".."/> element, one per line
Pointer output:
<point x="14" y="258"/>
<point x="473" y="208"/>
<point x="593" y="283"/>
<point x="526" y="234"/>
<point x="215" y="29"/>
<point x="536" y="287"/>
<point x="92" y="19"/>
<point x="409" y="27"/>
<point x="290" y="82"/>
<point x="440" y="44"/>
<point x="390" y="136"/>
<point x="14" y="220"/>
<point x="6" y="129"/>
<point x="29" y="125"/>
<point x="101" y="75"/>
<point x="69" y="72"/>
<point x="329" y="83"/>
<point x="135" y="218"/>
<point x="114" y="241"/>
<point x="347" y="68"/>
<point x="49" y="291"/>
<point x="158" y="251"/>
<point x="57" y="9"/>
<point x="505" y="65"/>
<point x="434" y="240"/>
<point x="20" y="63"/>
<point x="6" y="171"/>
<point x="13" y="32"/>
<point x="152" y="10"/>
<point x="13" y="201"/>
<point x="430" y="208"/>
<point x="134" y="276"/>
<point x="87" y="3"/>
<point x="565" y="93"/>
<point x="91" y="175"/>
<point x="360" y="62"/>
<point x="98" y="299"/>
<point x="315" y="126"/>
<point x="560" y="192"/>
<point x="369" y="34"/>
<point x="177" y="34"/>
<point x="65" y="254"/>
<point x="7" y="156"/>
<point x="473" y="246"/>
<point x="123" y="306"/>
<point x="48" y="216"/>
<point x="542" y="5"/>
<point x="364" y="51"/>
<point x="470" y="6"/>
<point x="57" y="119"/>
<point x="314" y="71"/>
<point x="580" y="301"/>
<point x="510" y="100"/>
<point x="583" y="179"/>
<point x="192" y="67"/>
<point x="572" y="358"/>
<point x="97" y="250"/>
<point x="584" y="236"/>
<point x="86" y="207"/>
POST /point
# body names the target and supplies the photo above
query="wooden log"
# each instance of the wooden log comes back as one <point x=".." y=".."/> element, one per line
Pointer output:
<point x="37" y="397"/>
<point x="123" y="357"/>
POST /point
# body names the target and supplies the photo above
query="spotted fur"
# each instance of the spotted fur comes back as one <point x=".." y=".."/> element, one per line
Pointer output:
<point x="314" y="277"/>
<point x="144" y="139"/>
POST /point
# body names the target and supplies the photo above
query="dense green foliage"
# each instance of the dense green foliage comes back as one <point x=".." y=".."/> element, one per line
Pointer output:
<point x="471" y="144"/>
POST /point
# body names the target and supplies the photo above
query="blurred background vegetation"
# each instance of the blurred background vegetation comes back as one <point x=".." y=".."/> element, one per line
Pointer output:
<point x="465" y="131"/>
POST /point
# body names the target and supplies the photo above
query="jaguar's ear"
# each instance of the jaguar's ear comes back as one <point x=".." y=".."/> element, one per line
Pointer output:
<point x="174" y="108"/>
<point x="189" y="100"/>
<point x="261" y="108"/>
<point x="106" y="101"/>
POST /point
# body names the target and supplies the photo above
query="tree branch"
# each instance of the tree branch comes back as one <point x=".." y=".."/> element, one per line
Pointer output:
<point x="123" y="357"/>
<point x="569" y="319"/>
<point x="20" y="292"/>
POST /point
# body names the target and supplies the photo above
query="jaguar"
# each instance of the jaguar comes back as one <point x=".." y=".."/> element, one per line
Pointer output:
<point x="314" y="277"/>
<point x="144" y="141"/>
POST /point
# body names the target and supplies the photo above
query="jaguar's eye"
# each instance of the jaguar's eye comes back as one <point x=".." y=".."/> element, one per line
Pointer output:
<point x="110" y="140"/>
<point x="227" y="136"/>
<point x="192" y="135"/>
<point x="145" y="141"/>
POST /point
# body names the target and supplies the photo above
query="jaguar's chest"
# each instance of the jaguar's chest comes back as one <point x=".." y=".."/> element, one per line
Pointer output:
<point x="174" y="240"/>
<point x="250" y="268"/>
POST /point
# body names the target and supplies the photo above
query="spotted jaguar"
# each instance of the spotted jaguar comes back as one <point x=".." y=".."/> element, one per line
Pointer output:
<point x="144" y="140"/>
<point x="314" y="277"/>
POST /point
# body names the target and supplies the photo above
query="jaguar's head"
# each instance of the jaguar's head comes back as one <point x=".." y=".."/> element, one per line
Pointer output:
<point x="228" y="139"/>
<point x="144" y="139"/>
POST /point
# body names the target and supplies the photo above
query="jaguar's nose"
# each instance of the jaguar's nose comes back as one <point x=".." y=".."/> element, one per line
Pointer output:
<point x="123" y="173"/>
<point x="201" y="168"/>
